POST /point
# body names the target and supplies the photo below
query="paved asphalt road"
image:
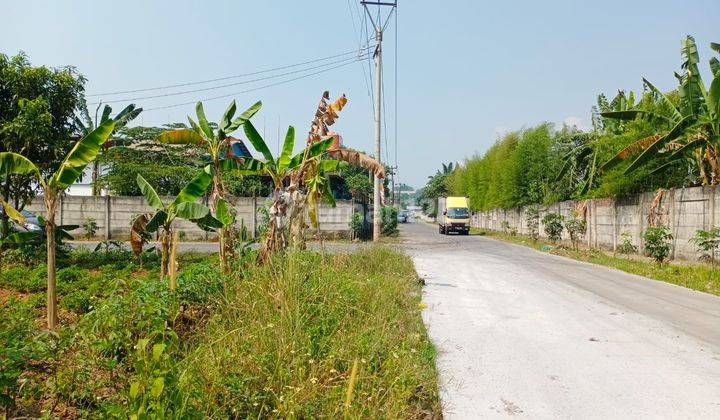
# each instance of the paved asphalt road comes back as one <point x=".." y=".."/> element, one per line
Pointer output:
<point x="526" y="334"/>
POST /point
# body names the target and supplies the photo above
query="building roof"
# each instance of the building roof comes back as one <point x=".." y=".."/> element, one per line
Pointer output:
<point x="237" y="149"/>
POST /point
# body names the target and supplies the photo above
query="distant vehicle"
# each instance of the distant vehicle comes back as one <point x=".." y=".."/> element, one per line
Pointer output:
<point x="453" y="215"/>
<point x="32" y="223"/>
<point x="403" y="216"/>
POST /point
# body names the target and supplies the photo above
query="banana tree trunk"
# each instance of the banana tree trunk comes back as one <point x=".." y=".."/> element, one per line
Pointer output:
<point x="297" y="221"/>
<point x="275" y="239"/>
<point x="701" y="167"/>
<point x="712" y="157"/>
<point x="225" y="234"/>
<point x="6" y="197"/>
<point x="50" y="208"/>
<point x="165" y="243"/>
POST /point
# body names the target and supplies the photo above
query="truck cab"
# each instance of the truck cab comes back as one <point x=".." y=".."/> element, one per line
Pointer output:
<point x="453" y="215"/>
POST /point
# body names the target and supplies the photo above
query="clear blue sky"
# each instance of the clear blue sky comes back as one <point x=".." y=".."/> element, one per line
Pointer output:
<point x="467" y="69"/>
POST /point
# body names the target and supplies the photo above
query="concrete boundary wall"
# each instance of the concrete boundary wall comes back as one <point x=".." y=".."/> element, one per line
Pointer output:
<point x="684" y="211"/>
<point x="113" y="215"/>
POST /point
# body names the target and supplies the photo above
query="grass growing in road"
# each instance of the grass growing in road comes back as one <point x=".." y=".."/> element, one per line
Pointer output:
<point x="698" y="276"/>
<point x="286" y="339"/>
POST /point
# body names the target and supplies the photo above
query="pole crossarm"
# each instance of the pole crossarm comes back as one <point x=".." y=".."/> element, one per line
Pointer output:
<point x="379" y="3"/>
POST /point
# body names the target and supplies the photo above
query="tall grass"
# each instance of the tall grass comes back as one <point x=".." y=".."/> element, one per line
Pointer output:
<point x="284" y="342"/>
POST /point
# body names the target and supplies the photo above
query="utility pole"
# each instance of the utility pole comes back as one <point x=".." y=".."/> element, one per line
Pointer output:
<point x="377" y="205"/>
<point x="379" y="27"/>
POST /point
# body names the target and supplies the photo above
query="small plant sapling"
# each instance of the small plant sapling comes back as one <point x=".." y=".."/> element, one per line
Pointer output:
<point x="532" y="218"/>
<point x="553" y="224"/>
<point x="576" y="230"/>
<point x="90" y="227"/>
<point x="707" y="241"/>
<point x="626" y="245"/>
<point x="657" y="242"/>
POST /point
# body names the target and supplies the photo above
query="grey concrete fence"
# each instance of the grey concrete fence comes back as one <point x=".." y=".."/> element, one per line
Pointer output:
<point x="113" y="215"/>
<point x="684" y="211"/>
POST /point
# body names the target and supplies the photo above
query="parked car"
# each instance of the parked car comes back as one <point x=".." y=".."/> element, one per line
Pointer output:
<point x="403" y="216"/>
<point x="32" y="223"/>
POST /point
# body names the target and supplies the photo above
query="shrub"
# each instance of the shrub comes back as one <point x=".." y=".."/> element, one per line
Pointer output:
<point x="553" y="223"/>
<point x="532" y="216"/>
<point x="626" y="246"/>
<point x="657" y="242"/>
<point x="21" y="345"/>
<point x="90" y="227"/>
<point x="505" y="226"/>
<point x="389" y="221"/>
<point x="357" y="226"/>
<point x="707" y="241"/>
<point x="576" y="230"/>
<point x="24" y="279"/>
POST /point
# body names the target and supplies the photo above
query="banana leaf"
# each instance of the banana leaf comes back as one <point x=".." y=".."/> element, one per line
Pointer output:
<point x="84" y="152"/>
<point x="288" y="145"/>
<point x="258" y="143"/>
<point x="151" y="196"/>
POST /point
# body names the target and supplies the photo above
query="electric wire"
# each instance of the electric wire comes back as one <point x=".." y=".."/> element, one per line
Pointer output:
<point x="359" y="33"/>
<point x="255" y="88"/>
<point x="229" y="77"/>
<point x="244" y="82"/>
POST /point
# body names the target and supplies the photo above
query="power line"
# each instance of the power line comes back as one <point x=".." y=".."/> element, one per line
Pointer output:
<point x="256" y="88"/>
<point x="360" y="40"/>
<point x="275" y="76"/>
<point x="230" y="77"/>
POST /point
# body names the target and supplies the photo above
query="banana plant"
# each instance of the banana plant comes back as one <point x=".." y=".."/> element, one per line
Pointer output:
<point x="317" y="181"/>
<point x="580" y="163"/>
<point x="83" y="153"/>
<point x="280" y="170"/>
<point x="694" y="123"/>
<point x="318" y="187"/>
<point x="184" y="206"/>
<point x="86" y="124"/>
<point x="214" y="138"/>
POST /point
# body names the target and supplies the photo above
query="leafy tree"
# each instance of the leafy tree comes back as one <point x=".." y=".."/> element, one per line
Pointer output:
<point x="86" y="124"/>
<point x="657" y="242"/>
<point x="37" y="105"/>
<point x="167" y="167"/>
<point x="247" y="185"/>
<point x="71" y="168"/>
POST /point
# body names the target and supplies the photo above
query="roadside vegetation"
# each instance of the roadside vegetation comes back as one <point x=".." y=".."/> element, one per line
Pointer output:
<point x="274" y="340"/>
<point x="696" y="276"/>
<point x="151" y="333"/>
<point x="637" y="143"/>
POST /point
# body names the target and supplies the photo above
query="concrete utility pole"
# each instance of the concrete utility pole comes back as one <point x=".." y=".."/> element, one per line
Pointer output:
<point x="377" y="205"/>
<point x="379" y="27"/>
